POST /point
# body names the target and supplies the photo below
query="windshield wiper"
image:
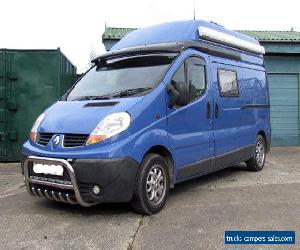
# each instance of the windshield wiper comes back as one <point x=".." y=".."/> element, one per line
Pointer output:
<point x="126" y="92"/>
<point x="129" y="92"/>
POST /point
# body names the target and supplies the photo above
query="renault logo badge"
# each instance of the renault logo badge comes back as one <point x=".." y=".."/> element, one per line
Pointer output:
<point x="56" y="140"/>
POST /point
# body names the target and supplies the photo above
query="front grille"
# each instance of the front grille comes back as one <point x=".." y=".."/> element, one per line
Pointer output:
<point x="73" y="140"/>
<point x="44" y="138"/>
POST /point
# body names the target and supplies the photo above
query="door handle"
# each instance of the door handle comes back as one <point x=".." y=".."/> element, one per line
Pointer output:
<point x="216" y="110"/>
<point x="208" y="111"/>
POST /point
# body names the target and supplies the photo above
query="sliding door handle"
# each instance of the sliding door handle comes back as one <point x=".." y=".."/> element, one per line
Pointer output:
<point x="208" y="111"/>
<point x="216" y="110"/>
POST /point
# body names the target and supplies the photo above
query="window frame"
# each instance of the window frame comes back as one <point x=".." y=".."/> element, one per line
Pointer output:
<point x="205" y="77"/>
<point x="219" y="83"/>
<point x="185" y="65"/>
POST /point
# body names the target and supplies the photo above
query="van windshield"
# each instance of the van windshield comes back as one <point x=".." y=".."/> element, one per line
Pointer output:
<point x="121" y="77"/>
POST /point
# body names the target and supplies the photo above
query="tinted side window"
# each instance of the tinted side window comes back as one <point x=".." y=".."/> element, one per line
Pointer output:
<point x="228" y="82"/>
<point x="179" y="75"/>
<point x="196" y="77"/>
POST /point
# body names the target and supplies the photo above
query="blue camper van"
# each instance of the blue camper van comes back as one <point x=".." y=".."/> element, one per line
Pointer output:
<point x="168" y="103"/>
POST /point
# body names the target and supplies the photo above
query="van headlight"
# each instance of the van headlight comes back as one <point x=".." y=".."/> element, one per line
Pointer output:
<point x="36" y="124"/>
<point x="111" y="125"/>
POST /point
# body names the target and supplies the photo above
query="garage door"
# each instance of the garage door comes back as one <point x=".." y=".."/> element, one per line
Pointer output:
<point x="284" y="109"/>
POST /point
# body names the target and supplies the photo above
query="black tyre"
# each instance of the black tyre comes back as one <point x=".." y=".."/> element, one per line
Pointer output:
<point x="258" y="161"/>
<point x="152" y="185"/>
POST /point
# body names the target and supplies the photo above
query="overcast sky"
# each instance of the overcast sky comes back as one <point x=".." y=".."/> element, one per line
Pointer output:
<point x="76" y="26"/>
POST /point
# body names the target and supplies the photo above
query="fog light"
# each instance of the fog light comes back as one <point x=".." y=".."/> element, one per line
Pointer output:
<point x="96" y="190"/>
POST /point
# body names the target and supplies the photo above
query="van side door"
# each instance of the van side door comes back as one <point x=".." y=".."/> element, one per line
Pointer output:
<point x="189" y="126"/>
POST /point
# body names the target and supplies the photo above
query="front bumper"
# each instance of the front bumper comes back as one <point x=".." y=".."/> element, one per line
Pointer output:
<point x="115" y="177"/>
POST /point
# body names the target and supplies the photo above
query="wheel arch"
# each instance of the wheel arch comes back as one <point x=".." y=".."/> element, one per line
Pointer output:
<point x="263" y="134"/>
<point x="167" y="155"/>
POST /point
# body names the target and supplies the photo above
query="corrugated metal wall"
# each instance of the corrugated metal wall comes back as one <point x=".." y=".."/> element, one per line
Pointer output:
<point x="284" y="109"/>
<point x="283" y="77"/>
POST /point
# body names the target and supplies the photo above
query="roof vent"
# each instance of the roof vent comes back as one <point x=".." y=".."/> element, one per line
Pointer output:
<point x="220" y="37"/>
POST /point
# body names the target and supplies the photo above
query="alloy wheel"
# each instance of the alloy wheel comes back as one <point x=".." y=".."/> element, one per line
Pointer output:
<point x="156" y="185"/>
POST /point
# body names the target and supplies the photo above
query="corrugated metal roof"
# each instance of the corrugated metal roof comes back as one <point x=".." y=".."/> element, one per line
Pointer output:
<point x="273" y="36"/>
<point x="115" y="33"/>
<point x="262" y="36"/>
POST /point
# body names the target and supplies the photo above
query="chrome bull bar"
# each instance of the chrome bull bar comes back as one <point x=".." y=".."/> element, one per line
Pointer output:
<point x="57" y="196"/>
<point x="52" y="195"/>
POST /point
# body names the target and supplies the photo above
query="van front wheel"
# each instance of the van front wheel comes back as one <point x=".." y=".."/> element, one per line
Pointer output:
<point x="152" y="185"/>
<point x="258" y="161"/>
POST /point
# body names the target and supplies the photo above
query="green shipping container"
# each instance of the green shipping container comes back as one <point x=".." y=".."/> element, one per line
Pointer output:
<point x="30" y="81"/>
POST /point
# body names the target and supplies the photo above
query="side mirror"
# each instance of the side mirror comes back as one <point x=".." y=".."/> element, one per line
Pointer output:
<point x="179" y="93"/>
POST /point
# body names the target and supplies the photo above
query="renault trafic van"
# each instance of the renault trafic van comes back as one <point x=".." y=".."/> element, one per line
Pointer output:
<point x="168" y="103"/>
